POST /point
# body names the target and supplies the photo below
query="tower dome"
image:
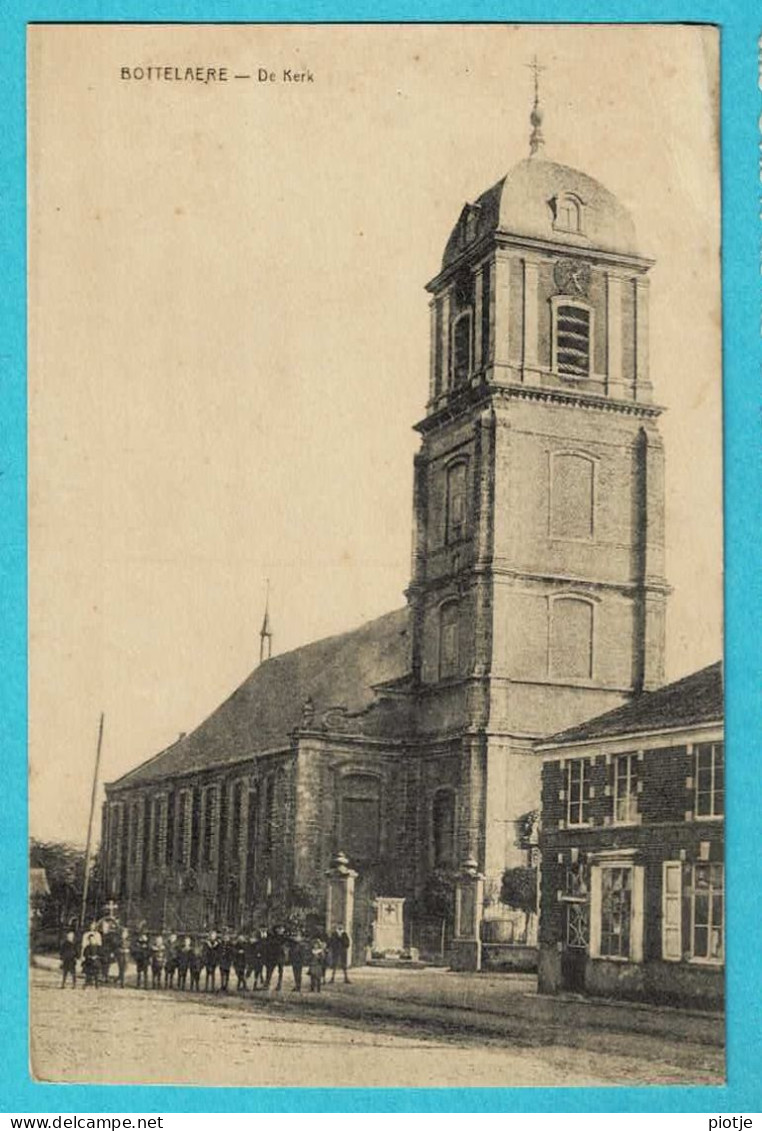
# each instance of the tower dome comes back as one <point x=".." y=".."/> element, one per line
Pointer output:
<point x="545" y="201"/>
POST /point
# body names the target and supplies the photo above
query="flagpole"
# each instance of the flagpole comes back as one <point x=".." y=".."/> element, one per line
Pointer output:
<point x="90" y="824"/>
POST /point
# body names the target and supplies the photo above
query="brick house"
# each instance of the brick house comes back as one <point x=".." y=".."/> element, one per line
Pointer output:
<point x="632" y="833"/>
<point x="536" y="601"/>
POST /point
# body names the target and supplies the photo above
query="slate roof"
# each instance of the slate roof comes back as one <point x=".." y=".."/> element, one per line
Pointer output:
<point x="691" y="701"/>
<point x="339" y="671"/>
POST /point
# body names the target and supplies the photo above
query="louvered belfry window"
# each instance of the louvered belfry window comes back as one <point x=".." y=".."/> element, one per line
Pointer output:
<point x="573" y="340"/>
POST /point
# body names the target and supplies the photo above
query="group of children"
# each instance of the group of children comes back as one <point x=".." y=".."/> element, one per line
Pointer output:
<point x="257" y="956"/>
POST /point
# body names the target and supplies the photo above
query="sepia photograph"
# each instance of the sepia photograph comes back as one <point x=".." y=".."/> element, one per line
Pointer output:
<point x="376" y="712"/>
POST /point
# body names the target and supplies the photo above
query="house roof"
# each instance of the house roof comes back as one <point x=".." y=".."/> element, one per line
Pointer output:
<point x="339" y="671"/>
<point x="688" y="702"/>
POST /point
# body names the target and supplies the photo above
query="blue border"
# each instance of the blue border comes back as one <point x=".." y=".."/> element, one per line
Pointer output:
<point x="742" y="248"/>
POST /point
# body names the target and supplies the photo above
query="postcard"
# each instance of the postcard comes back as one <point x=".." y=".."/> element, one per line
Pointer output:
<point x="375" y="526"/>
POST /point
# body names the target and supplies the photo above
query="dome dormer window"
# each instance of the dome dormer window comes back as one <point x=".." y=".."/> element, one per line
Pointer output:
<point x="568" y="213"/>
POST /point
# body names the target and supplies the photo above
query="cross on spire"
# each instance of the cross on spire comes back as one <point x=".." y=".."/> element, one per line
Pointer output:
<point x="536" y="139"/>
<point x="265" y="633"/>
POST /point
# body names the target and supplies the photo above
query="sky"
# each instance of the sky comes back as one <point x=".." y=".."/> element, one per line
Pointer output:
<point x="228" y="338"/>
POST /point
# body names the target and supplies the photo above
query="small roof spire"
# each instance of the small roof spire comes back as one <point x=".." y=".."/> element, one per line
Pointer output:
<point x="265" y="633"/>
<point x="536" y="138"/>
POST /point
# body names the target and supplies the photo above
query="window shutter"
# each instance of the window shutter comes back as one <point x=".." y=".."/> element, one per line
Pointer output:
<point x="636" y="935"/>
<point x="595" y="912"/>
<point x="671" y="911"/>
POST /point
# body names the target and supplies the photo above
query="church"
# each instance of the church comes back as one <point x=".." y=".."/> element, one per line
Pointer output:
<point x="536" y="602"/>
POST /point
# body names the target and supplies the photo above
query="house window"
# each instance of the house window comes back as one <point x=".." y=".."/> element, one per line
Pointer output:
<point x="578" y="791"/>
<point x="572" y="496"/>
<point x="625" y="789"/>
<point x="443" y="828"/>
<point x="616" y="912"/>
<point x="571" y="339"/>
<point x="571" y="638"/>
<point x="672" y="911"/>
<point x="455" y="517"/>
<point x="710" y="779"/>
<point x="448" y="640"/>
<point x="360" y="827"/>
<point x="707" y="912"/>
<point x="461" y="348"/>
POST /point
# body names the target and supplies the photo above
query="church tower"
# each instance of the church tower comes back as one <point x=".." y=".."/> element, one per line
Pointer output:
<point x="538" y="591"/>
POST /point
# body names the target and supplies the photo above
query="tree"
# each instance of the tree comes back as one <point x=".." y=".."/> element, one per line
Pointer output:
<point x="64" y="866"/>
<point x="519" y="889"/>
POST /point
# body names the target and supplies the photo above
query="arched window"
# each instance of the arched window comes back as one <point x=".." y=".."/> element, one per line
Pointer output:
<point x="237" y="821"/>
<point x="455" y="505"/>
<point x="443" y="828"/>
<point x="461" y="348"/>
<point x="360" y="818"/>
<point x="269" y="815"/>
<point x="572" y="335"/>
<point x="572" y="495"/>
<point x="184" y="828"/>
<point x="449" y="616"/>
<point x="568" y="213"/>
<point x="571" y="638"/>
<point x="134" y="833"/>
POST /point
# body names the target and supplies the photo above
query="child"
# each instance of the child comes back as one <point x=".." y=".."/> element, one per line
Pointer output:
<point x="194" y="966"/>
<point x="170" y="962"/>
<point x="239" y="962"/>
<point x="226" y="961"/>
<point x="184" y="955"/>
<point x="317" y="965"/>
<point x="142" y="955"/>
<point x="122" y="955"/>
<point x="91" y="961"/>
<point x="254" y="960"/>
<point x="69" y="959"/>
<point x="158" y="959"/>
<point x="211" y="959"/>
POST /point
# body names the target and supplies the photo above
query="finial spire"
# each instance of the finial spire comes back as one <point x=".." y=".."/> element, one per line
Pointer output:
<point x="265" y="633"/>
<point x="536" y="139"/>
